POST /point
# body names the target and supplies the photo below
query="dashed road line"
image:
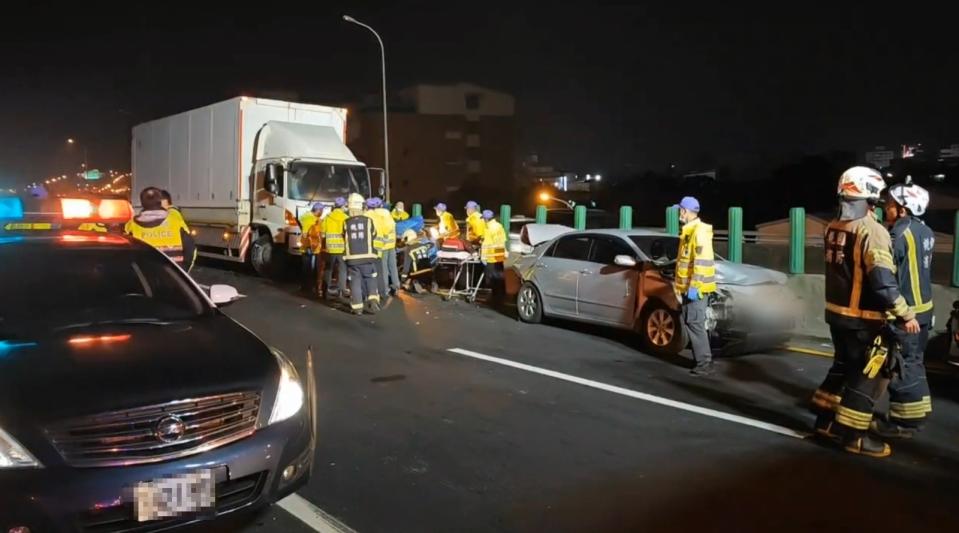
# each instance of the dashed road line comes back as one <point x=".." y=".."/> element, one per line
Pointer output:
<point x="659" y="400"/>
<point x="312" y="515"/>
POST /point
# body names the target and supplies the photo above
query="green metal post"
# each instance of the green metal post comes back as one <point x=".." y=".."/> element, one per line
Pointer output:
<point x="541" y="214"/>
<point x="797" y="240"/>
<point x="417" y="210"/>
<point x="735" y="253"/>
<point x="579" y="217"/>
<point x="672" y="220"/>
<point x="505" y="213"/>
<point x="626" y="217"/>
<point x="955" y="253"/>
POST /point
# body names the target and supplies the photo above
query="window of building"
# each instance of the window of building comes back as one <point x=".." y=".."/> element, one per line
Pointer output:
<point x="454" y="135"/>
<point x="473" y="140"/>
<point x="472" y="101"/>
<point x="473" y="166"/>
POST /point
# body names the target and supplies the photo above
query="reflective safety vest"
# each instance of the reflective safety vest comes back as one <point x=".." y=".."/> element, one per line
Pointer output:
<point x="313" y="240"/>
<point x="399" y="215"/>
<point x="475" y="227"/>
<point x="860" y="274"/>
<point x="307" y="221"/>
<point x="912" y="244"/>
<point x="333" y="240"/>
<point x="360" y="235"/>
<point x="695" y="263"/>
<point x="385" y="228"/>
<point x="165" y="235"/>
<point x="449" y="229"/>
<point x="494" y="243"/>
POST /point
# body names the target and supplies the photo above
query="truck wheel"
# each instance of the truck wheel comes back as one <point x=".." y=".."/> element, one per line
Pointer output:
<point x="661" y="329"/>
<point x="261" y="255"/>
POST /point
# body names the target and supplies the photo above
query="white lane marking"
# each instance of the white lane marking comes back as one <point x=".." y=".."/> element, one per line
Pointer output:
<point x="729" y="417"/>
<point x="312" y="515"/>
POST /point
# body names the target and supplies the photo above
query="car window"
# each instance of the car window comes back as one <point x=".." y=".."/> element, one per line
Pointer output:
<point x="657" y="246"/>
<point x="605" y="250"/>
<point x="572" y="247"/>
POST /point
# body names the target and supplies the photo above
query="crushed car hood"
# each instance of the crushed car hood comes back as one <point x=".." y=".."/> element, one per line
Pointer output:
<point x="741" y="274"/>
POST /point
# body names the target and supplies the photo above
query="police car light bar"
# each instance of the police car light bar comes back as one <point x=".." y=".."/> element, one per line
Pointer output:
<point x="106" y="210"/>
<point x="73" y="208"/>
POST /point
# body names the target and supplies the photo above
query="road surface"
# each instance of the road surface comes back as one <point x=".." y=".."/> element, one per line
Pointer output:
<point x="447" y="416"/>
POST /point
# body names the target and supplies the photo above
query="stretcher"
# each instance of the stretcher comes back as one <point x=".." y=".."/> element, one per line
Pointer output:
<point x="465" y="264"/>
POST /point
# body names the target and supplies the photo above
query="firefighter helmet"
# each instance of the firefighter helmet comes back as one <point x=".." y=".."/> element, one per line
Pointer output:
<point x="911" y="196"/>
<point x="860" y="183"/>
<point x="355" y="201"/>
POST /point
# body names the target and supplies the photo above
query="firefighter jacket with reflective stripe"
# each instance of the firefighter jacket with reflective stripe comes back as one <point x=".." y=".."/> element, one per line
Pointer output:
<point x="861" y="285"/>
<point x="385" y="228"/>
<point x="399" y="215"/>
<point x="165" y="233"/>
<point x="360" y="235"/>
<point x="449" y="229"/>
<point x="475" y="227"/>
<point x="333" y="240"/>
<point x="695" y="263"/>
<point x="494" y="243"/>
<point x="912" y="248"/>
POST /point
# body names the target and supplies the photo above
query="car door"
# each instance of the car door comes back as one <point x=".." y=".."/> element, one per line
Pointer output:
<point x="607" y="292"/>
<point x="557" y="273"/>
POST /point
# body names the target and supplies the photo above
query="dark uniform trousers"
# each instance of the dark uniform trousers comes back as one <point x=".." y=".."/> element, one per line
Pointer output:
<point x="909" y="397"/>
<point x="334" y="262"/>
<point x="846" y="391"/>
<point x="694" y="319"/>
<point x="363" y="282"/>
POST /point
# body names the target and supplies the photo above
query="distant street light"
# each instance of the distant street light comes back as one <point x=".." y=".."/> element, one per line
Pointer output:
<point x="386" y="141"/>
<point x="72" y="141"/>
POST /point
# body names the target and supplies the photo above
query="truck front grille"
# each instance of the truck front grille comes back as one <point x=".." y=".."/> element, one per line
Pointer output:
<point x="156" y="433"/>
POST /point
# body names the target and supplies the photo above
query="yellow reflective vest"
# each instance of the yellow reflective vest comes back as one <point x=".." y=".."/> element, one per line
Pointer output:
<point x="695" y="263"/>
<point x="307" y="221"/>
<point x="385" y="228"/>
<point x="449" y="229"/>
<point x="399" y="215"/>
<point x="334" y="242"/>
<point x="475" y="227"/>
<point x="167" y="236"/>
<point x="494" y="243"/>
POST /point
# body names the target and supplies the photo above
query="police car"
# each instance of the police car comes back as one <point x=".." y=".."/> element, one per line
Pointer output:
<point x="128" y="400"/>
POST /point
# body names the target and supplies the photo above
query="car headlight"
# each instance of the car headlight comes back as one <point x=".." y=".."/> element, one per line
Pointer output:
<point x="13" y="454"/>
<point x="289" y="392"/>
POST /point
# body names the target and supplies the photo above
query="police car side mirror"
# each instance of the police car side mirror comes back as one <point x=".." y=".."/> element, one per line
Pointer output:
<point x="223" y="295"/>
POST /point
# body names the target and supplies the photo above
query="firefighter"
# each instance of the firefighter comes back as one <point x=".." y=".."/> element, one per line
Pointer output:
<point x="310" y="250"/>
<point x="475" y="225"/>
<point x="448" y="229"/>
<point x="861" y="288"/>
<point x="416" y="261"/>
<point x="399" y="213"/>
<point x="493" y="255"/>
<point x="695" y="281"/>
<point x="912" y="248"/>
<point x="166" y="233"/>
<point x="361" y="258"/>
<point x="334" y="246"/>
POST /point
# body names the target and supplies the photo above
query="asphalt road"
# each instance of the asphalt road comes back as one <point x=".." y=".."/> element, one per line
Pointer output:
<point x="590" y="435"/>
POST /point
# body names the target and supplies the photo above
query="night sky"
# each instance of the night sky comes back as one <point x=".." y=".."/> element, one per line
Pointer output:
<point x="615" y="89"/>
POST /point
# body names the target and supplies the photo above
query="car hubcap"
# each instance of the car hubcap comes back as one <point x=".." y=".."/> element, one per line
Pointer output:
<point x="660" y="328"/>
<point x="527" y="302"/>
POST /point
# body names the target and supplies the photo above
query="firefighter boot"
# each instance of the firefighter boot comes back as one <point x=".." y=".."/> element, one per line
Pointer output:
<point x="868" y="446"/>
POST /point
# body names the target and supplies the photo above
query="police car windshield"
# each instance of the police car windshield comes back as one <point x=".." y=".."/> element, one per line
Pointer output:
<point x="48" y="286"/>
<point x="323" y="181"/>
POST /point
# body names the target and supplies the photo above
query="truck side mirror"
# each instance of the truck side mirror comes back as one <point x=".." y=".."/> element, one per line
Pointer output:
<point x="274" y="173"/>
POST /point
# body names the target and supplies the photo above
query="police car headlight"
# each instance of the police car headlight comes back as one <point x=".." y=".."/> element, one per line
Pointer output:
<point x="14" y="455"/>
<point x="289" y="392"/>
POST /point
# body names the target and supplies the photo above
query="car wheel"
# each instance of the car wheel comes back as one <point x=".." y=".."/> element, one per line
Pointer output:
<point x="529" y="304"/>
<point x="662" y="329"/>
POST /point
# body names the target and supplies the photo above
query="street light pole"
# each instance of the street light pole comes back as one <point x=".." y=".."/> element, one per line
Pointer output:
<point x="546" y="196"/>
<point x="386" y="140"/>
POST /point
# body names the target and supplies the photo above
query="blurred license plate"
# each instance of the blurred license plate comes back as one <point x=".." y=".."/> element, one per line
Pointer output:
<point x="174" y="496"/>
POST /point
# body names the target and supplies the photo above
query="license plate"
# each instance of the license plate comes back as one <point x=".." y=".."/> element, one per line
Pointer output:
<point x="174" y="496"/>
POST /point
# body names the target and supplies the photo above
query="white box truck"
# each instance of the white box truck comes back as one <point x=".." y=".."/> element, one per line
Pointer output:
<point x="242" y="171"/>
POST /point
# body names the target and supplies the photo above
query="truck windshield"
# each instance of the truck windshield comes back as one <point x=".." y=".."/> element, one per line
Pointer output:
<point x="325" y="181"/>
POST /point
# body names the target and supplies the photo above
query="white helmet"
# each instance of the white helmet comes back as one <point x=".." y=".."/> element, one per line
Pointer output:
<point x="911" y="196"/>
<point x="860" y="183"/>
<point x="409" y="236"/>
<point x="355" y="202"/>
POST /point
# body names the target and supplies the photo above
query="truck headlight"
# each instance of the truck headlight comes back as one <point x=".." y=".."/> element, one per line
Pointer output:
<point x="13" y="454"/>
<point x="289" y="392"/>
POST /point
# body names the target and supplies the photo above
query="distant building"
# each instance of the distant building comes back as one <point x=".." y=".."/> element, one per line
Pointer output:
<point x="880" y="157"/>
<point x="443" y="138"/>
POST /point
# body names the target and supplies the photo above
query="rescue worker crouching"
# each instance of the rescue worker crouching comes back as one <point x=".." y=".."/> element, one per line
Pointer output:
<point x="913" y="242"/>
<point x="417" y="267"/>
<point x="334" y="246"/>
<point x="695" y="281"/>
<point x="156" y="227"/>
<point x="399" y="213"/>
<point x="861" y="288"/>
<point x="361" y="258"/>
<point x="310" y="244"/>
<point x="493" y="254"/>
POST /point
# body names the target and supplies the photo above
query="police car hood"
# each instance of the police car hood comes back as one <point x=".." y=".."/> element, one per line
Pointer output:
<point x="107" y="368"/>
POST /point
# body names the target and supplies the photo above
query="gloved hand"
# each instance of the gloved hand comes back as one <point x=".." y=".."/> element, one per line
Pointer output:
<point x="693" y="294"/>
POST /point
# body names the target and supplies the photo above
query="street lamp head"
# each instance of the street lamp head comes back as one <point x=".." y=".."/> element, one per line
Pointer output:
<point x="71" y="141"/>
<point x="349" y="18"/>
<point x="544" y="197"/>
